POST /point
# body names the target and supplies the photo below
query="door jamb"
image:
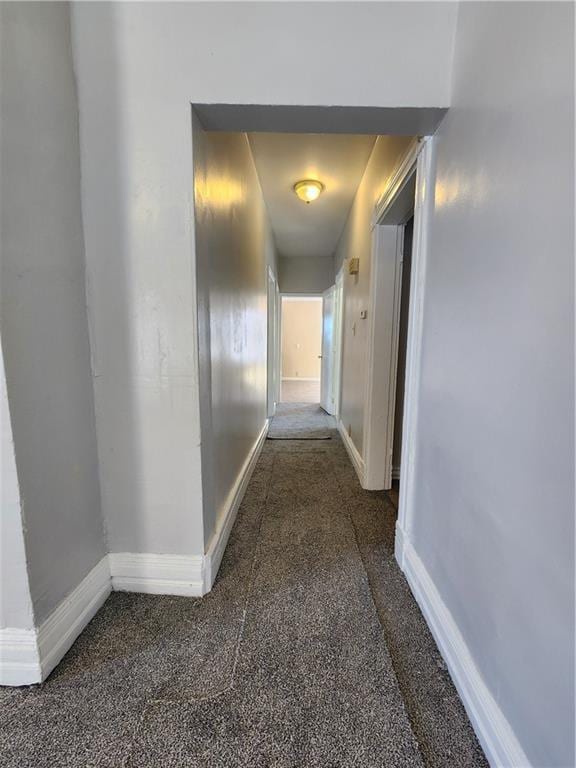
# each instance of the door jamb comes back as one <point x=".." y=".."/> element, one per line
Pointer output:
<point x="339" y="340"/>
<point x="281" y="296"/>
<point x="420" y="156"/>
<point x="423" y="212"/>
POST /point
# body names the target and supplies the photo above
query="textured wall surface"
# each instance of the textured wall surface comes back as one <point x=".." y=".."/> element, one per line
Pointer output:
<point x="43" y="302"/>
<point x="139" y="66"/>
<point x="494" y="503"/>
<point x="356" y="242"/>
<point x="234" y="248"/>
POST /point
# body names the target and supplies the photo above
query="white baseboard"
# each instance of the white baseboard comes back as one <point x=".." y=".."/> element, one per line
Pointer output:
<point x="399" y="546"/>
<point x="156" y="574"/>
<point x="355" y="458"/>
<point x="28" y="656"/>
<point x="494" y="732"/>
<point x="57" y="633"/>
<point x="220" y="537"/>
<point x="19" y="657"/>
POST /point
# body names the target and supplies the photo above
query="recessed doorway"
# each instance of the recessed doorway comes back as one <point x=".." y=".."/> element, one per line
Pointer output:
<point x="301" y="358"/>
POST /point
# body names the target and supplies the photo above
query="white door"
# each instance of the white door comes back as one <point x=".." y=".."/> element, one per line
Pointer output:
<point x="338" y="315"/>
<point x="327" y="368"/>
<point x="382" y="357"/>
<point x="273" y="344"/>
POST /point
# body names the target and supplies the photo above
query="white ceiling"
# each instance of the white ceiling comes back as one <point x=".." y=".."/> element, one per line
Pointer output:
<point x="282" y="159"/>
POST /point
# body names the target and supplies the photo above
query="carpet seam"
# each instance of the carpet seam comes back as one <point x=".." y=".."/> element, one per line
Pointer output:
<point x="149" y="703"/>
<point x="371" y="591"/>
<point x="231" y="684"/>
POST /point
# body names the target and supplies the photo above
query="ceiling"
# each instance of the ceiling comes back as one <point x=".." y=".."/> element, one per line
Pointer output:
<point x="337" y="160"/>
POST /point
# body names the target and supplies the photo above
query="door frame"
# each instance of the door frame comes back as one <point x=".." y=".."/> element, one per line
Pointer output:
<point x="289" y="295"/>
<point x="273" y="363"/>
<point x="420" y="159"/>
<point x="330" y="364"/>
<point x="338" y="337"/>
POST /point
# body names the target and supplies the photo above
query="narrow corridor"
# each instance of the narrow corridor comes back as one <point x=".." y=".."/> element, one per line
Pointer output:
<point x="309" y="651"/>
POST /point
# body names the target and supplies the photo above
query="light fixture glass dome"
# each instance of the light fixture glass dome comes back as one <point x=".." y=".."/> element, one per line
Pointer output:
<point x="308" y="189"/>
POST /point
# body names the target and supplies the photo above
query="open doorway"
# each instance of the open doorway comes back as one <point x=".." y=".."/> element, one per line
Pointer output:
<point x="301" y="358"/>
<point x="392" y="234"/>
<point x="406" y="264"/>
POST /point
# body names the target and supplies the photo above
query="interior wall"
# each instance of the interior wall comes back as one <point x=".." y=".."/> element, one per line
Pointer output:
<point x="356" y="242"/>
<point x="494" y="504"/>
<point x="43" y="304"/>
<point x="301" y="338"/>
<point x="139" y="66"/>
<point x="15" y="599"/>
<point x="234" y="248"/>
<point x="305" y="275"/>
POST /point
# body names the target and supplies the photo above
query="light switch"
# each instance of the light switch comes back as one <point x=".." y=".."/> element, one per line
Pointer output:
<point x="363" y="314"/>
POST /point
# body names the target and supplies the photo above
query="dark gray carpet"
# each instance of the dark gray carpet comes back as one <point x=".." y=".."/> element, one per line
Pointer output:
<point x="309" y="651"/>
<point x="300" y="421"/>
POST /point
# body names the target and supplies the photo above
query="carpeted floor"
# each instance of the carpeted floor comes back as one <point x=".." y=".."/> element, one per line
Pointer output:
<point x="300" y="391"/>
<point x="309" y="651"/>
<point x="300" y="421"/>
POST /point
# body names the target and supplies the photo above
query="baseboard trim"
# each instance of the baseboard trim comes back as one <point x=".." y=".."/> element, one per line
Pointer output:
<point x="220" y="537"/>
<point x="157" y="574"/>
<point x="57" y="633"/>
<point x="19" y="657"/>
<point x="27" y="656"/>
<point x="355" y="458"/>
<point x="494" y="732"/>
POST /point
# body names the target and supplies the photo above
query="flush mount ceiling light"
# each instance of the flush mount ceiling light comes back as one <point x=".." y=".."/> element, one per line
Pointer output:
<point x="308" y="189"/>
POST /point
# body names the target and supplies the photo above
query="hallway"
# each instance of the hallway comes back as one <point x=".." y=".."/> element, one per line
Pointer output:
<point x="309" y="651"/>
<point x="300" y="391"/>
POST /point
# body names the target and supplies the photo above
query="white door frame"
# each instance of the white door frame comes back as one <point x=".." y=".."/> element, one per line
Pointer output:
<point x="273" y="372"/>
<point x="338" y="336"/>
<point x="327" y="356"/>
<point x="419" y="159"/>
<point x="288" y="295"/>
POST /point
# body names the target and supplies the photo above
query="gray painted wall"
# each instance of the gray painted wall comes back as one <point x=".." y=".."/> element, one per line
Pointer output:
<point x="43" y="302"/>
<point x="15" y="600"/>
<point x="304" y="275"/>
<point x="139" y="67"/>
<point x="234" y="247"/>
<point x="356" y="242"/>
<point x="494" y="499"/>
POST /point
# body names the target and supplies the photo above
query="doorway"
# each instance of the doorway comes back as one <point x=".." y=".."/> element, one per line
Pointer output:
<point x="301" y="355"/>
<point x="406" y="264"/>
<point x="332" y="346"/>
<point x="392" y="235"/>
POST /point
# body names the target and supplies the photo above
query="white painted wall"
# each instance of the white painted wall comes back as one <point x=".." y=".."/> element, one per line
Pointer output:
<point x="305" y="275"/>
<point x="139" y="66"/>
<point x="494" y="505"/>
<point x="43" y="310"/>
<point x="137" y="203"/>
<point x="15" y="599"/>
<point x="356" y="242"/>
<point x="234" y="248"/>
